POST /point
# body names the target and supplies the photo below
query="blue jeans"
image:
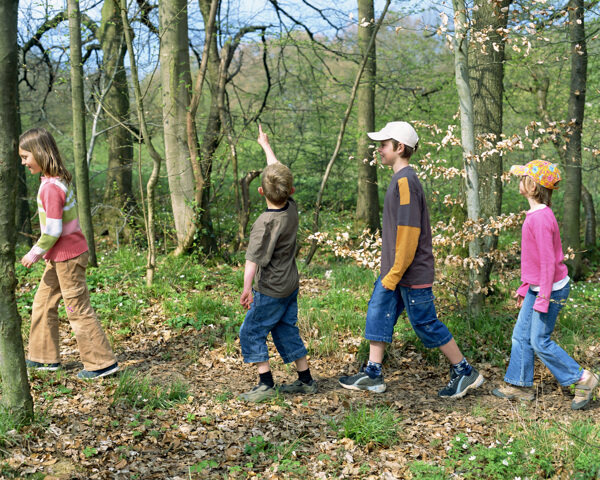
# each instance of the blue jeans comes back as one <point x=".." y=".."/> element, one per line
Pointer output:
<point x="275" y="315"/>
<point x="532" y="335"/>
<point x="386" y="306"/>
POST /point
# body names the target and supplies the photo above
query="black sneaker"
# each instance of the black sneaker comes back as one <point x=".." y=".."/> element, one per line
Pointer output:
<point x="42" y="366"/>
<point x="103" y="372"/>
<point x="299" y="387"/>
<point x="459" y="385"/>
<point x="361" y="381"/>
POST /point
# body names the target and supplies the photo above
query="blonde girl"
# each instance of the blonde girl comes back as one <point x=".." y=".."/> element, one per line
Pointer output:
<point x="64" y="248"/>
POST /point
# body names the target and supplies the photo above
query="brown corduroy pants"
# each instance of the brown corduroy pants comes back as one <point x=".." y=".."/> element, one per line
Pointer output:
<point x="67" y="280"/>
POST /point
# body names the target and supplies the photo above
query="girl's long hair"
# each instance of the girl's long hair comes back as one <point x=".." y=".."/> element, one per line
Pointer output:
<point x="42" y="145"/>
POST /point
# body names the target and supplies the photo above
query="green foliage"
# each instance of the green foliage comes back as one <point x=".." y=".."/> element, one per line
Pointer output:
<point x="377" y="426"/>
<point x="142" y="392"/>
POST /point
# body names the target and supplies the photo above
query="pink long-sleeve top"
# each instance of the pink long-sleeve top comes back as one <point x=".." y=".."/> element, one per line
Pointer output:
<point x="61" y="238"/>
<point x="541" y="256"/>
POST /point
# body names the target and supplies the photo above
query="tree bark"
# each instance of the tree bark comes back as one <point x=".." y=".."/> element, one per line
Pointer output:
<point x="145" y="137"/>
<point x="15" y="387"/>
<point x="367" y="201"/>
<point x="119" y="190"/>
<point x="590" y="218"/>
<point x="461" y="64"/>
<point x="176" y="85"/>
<point x="486" y="69"/>
<point x="79" y="142"/>
<point x="245" y="207"/>
<point x="578" y="85"/>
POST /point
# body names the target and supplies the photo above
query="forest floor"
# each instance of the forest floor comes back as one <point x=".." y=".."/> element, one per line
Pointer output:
<point x="112" y="429"/>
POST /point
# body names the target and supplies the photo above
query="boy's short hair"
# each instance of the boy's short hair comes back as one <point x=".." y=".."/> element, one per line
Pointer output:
<point x="536" y="191"/>
<point x="408" y="151"/>
<point x="277" y="181"/>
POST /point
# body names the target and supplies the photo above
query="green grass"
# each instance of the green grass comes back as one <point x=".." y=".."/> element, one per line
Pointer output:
<point x="376" y="426"/>
<point x="143" y="393"/>
<point x="529" y="449"/>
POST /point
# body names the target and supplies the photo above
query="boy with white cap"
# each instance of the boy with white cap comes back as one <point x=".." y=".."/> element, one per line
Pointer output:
<point x="407" y="272"/>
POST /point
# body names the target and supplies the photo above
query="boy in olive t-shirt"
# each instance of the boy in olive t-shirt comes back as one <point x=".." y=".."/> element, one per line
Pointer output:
<point x="272" y="303"/>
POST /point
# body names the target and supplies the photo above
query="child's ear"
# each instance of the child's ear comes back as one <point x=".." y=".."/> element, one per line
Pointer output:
<point x="261" y="191"/>
<point x="400" y="149"/>
<point x="292" y="190"/>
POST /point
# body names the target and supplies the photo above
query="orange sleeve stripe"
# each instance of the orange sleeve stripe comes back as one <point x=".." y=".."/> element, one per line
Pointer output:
<point x="404" y="191"/>
<point x="407" y="240"/>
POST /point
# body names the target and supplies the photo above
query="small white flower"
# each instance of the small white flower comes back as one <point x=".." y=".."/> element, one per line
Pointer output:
<point x="532" y="451"/>
<point x="517" y="478"/>
<point x="505" y="462"/>
<point x="472" y="457"/>
<point x="509" y="453"/>
<point x="465" y="446"/>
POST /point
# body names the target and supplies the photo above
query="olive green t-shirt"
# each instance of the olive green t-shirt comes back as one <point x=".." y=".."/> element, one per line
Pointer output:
<point x="272" y="247"/>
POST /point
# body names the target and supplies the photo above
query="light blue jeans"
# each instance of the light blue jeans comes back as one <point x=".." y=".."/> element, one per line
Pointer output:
<point x="532" y="335"/>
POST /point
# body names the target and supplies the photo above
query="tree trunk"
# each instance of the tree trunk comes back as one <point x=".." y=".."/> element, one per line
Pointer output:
<point x="572" y="198"/>
<point x="176" y="84"/>
<point x="590" y="218"/>
<point x="461" y="64"/>
<point x="119" y="190"/>
<point x="367" y="202"/>
<point x="245" y="207"/>
<point x="145" y="137"/>
<point x="486" y="69"/>
<point x="79" y="142"/>
<point x="15" y="387"/>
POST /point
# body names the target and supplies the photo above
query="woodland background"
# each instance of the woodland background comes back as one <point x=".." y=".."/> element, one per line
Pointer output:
<point x="155" y="107"/>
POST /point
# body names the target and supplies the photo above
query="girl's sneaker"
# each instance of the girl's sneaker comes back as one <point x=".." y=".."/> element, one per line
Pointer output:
<point x="42" y="366"/>
<point x="512" y="392"/>
<point x="584" y="390"/>
<point x="89" y="375"/>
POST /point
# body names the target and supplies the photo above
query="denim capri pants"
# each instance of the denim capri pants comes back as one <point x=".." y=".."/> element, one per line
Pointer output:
<point x="275" y="315"/>
<point x="386" y="306"/>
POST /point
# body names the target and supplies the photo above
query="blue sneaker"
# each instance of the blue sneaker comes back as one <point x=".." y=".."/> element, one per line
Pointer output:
<point x="459" y="385"/>
<point x="361" y="381"/>
<point x="42" y="366"/>
<point x="87" y="375"/>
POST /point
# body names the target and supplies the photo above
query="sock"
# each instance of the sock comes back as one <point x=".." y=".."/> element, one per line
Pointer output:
<point x="462" y="368"/>
<point x="304" y="376"/>
<point x="373" y="369"/>
<point x="267" y="379"/>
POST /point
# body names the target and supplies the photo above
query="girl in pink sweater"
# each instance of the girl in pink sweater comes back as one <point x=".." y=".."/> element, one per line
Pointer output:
<point x="542" y="294"/>
<point x="64" y="248"/>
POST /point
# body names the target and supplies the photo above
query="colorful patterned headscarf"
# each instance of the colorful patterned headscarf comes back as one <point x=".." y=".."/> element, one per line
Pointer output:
<point x="544" y="173"/>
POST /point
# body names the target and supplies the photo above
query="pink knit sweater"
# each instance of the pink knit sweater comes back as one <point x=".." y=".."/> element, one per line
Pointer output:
<point x="541" y="256"/>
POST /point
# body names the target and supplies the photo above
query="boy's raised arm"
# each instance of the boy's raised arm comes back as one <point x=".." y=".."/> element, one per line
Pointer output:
<point x="263" y="141"/>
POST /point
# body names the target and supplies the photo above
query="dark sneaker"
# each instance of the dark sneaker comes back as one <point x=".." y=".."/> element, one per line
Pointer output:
<point x="584" y="391"/>
<point x="87" y="375"/>
<point x="361" y="381"/>
<point x="259" y="393"/>
<point x="299" y="387"/>
<point x="512" y="392"/>
<point x="459" y="385"/>
<point x="42" y="366"/>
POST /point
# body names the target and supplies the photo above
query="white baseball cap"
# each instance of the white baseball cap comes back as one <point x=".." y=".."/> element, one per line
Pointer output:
<point x="403" y="132"/>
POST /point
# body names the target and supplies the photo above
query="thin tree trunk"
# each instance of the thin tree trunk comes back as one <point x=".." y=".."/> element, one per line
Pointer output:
<point x="245" y="207"/>
<point x="119" y="188"/>
<point x="15" y="387"/>
<point x="486" y="69"/>
<point x="572" y="197"/>
<point x="313" y="247"/>
<point x="590" y="218"/>
<point x="176" y="84"/>
<point x="156" y="159"/>
<point x="209" y="15"/>
<point x="367" y="201"/>
<point x="461" y="65"/>
<point x="79" y="143"/>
